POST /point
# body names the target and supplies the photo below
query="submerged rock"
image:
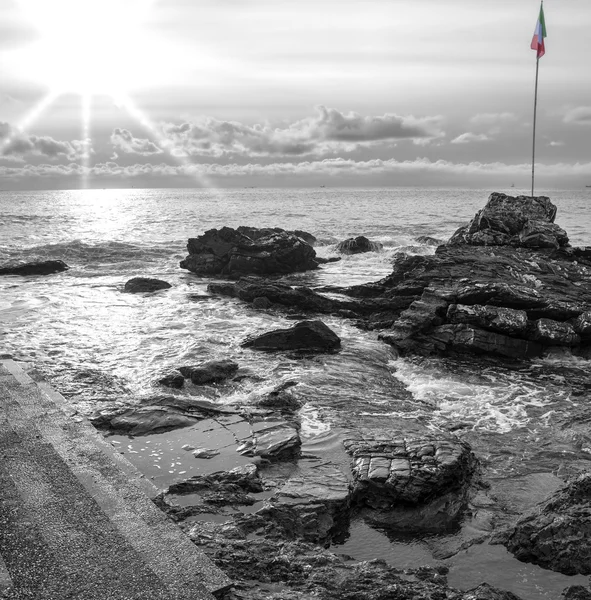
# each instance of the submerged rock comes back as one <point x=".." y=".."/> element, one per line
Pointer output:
<point x="172" y="379"/>
<point x="229" y="252"/>
<point x="306" y="335"/>
<point x="145" y="284"/>
<point x="556" y="534"/>
<point x="212" y="371"/>
<point x="358" y="245"/>
<point x="42" y="267"/>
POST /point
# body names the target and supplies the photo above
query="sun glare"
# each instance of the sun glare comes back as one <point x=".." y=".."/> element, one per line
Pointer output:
<point x="89" y="46"/>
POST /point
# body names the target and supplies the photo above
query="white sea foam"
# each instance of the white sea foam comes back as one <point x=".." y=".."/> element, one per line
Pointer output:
<point x="492" y="402"/>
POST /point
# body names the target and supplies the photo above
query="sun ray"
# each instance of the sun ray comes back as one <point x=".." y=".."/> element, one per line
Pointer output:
<point x="86" y="139"/>
<point x="203" y="180"/>
<point x="29" y="118"/>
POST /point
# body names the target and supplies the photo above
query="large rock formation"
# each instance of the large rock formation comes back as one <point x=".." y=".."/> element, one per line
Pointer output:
<point x="517" y="221"/>
<point x="42" y="267"/>
<point x="229" y="252"/>
<point x="556" y="534"/>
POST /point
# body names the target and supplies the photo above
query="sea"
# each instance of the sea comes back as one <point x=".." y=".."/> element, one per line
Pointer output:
<point x="96" y="344"/>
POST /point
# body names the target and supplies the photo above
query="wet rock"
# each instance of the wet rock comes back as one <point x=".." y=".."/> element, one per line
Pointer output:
<point x="261" y="303"/>
<point x="394" y="474"/>
<point x="42" y="267"/>
<point x="272" y="440"/>
<point x="358" y="245"/>
<point x="496" y="318"/>
<point x="145" y="284"/>
<point x="245" y="477"/>
<point x="306" y="335"/>
<point x="487" y="592"/>
<point x="256" y="233"/>
<point x="556" y="534"/>
<point x="518" y="221"/>
<point x="229" y="252"/>
<point x="205" y="453"/>
<point x="313" y="506"/>
<point x="582" y="325"/>
<point x="553" y="333"/>
<point x="429" y="241"/>
<point x="157" y="414"/>
<point x="280" y="399"/>
<point x="212" y="371"/>
<point x="576" y="592"/>
<point x="172" y="379"/>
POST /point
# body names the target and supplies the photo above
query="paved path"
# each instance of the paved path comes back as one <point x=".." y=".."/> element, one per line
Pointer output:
<point x="76" y="519"/>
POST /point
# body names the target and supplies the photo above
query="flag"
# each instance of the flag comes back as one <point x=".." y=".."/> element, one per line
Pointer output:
<point x="537" y="42"/>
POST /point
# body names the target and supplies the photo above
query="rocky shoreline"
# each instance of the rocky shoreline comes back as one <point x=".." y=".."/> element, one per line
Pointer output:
<point x="506" y="290"/>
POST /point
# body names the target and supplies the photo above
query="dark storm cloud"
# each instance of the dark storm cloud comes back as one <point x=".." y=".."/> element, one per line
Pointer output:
<point x="580" y="115"/>
<point x="123" y="140"/>
<point x="327" y="132"/>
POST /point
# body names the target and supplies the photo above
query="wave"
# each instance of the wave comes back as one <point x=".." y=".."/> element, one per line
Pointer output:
<point x="82" y="253"/>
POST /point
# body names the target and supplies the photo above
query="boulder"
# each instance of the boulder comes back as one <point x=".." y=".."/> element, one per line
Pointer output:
<point x="427" y="240"/>
<point x="410" y="483"/>
<point x="42" y="267"/>
<point x="172" y="379"/>
<point x="256" y="233"/>
<point x="487" y="592"/>
<point x="313" y="505"/>
<point x="212" y="371"/>
<point x="358" y="245"/>
<point x="553" y="333"/>
<point x="145" y="284"/>
<point x="582" y="325"/>
<point x="496" y="318"/>
<point x="576" y="592"/>
<point x="556" y="534"/>
<point x="306" y="335"/>
<point x="229" y="252"/>
<point x="516" y="221"/>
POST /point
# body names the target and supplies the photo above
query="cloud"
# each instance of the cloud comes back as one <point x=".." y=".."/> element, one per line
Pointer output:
<point x="123" y="140"/>
<point x="334" y="170"/>
<point x="16" y="145"/>
<point x="469" y="137"/>
<point x="555" y="143"/>
<point x="580" y="115"/>
<point x="327" y="132"/>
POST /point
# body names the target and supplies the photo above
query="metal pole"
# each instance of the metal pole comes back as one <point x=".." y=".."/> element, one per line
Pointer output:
<point x="533" y="153"/>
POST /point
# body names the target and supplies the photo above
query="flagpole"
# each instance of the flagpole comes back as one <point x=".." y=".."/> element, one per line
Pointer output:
<point x="533" y="153"/>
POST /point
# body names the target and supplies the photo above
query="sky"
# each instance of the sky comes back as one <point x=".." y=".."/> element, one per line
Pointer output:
<point x="235" y="93"/>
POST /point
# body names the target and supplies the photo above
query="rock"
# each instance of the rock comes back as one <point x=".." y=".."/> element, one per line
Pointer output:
<point x="274" y="440"/>
<point x="576" y="592"/>
<point x="496" y="318"/>
<point x="212" y="371"/>
<point x="556" y="534"/>
<point x="157" y="414"/>
<point x="313" y="506"/>
<point x="145" y="284"/>
<point x="358" y="245"/>
<point x="519" y="221"/>
<point x="261" y="303"/>
<point x="549" y="332"/>
<point x="410" y="483"/>
<point x="228" y="252"/>
<point x="172" y="379"/>
<point x="306" y="335"/>
<point x="429" y="241"/>
<point x="280" y="399"/>
<point x="205" y="453"/>
<point x="487" y="592"/>
<point x="42" y="267"/>
<point x="582" y="325"/>
<point x="256" y="233"/>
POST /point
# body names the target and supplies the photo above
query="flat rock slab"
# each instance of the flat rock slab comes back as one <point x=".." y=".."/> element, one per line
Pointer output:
<point x="390" y="469"/>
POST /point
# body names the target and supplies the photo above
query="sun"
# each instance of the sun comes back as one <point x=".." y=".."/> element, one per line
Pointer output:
<point x="88" y="46"/>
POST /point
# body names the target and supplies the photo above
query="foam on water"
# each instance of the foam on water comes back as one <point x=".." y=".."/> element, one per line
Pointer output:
<point x="492" y="402"/>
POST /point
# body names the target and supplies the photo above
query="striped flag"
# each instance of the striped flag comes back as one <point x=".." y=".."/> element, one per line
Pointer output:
<point x="537" y="42"/>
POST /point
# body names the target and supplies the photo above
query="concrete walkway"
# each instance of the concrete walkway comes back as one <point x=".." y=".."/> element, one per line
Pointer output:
<point x="76" y="519"/>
